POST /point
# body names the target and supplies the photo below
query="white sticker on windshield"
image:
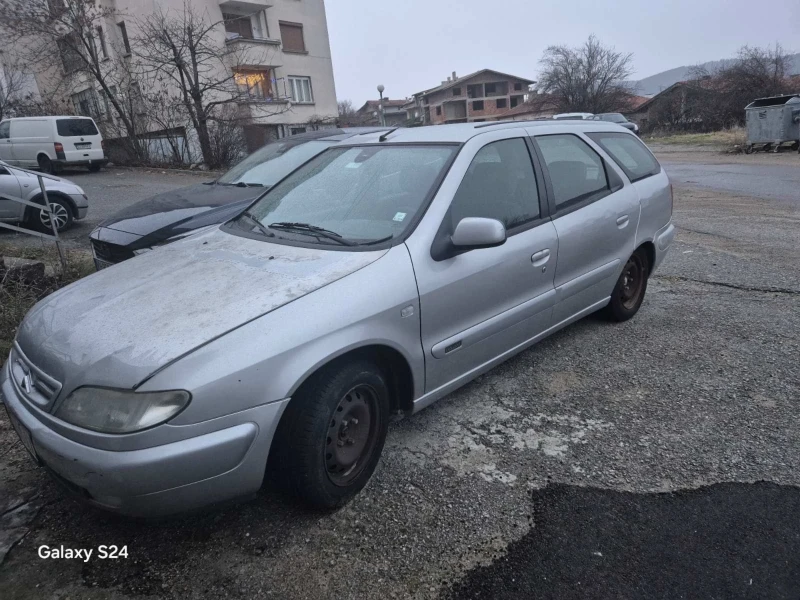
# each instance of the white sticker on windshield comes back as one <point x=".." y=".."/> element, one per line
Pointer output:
<point x="352" y="165"/>
<point x="399" y="217"/>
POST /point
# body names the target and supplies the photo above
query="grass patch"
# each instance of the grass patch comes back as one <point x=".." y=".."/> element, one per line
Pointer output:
<point x="17" y="298"/>
<point x="727" y="138"/>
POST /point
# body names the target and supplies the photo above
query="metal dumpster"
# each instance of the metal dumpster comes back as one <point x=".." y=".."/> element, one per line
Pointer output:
<point x="772" y="122"/>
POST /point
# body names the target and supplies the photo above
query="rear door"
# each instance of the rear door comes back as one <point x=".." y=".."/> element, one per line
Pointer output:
<point x="482" y="303"/>
<point x="80" y="138"/>
<point x="9" y="185"/>
<point x="595" y="215"/>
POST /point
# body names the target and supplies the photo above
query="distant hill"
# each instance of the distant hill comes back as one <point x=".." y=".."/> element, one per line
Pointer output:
<point x="650" y="86"/>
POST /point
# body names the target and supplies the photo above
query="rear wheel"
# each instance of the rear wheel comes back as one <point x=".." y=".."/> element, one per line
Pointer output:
<point x="631" y="286"/>
<point x="95" y="168"/>
<point x="748" y="149"/>
<point x="331" y="436"/>
<point x="45" y="164"/>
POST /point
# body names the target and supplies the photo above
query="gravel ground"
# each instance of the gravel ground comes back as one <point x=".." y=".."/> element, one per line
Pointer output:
<point x="700" y="388"/>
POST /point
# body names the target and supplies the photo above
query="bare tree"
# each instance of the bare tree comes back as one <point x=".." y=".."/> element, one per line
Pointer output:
<point x="13" y="81"/>
<point x="210" y="76"/>
<point x="76" y="29"/>
<point x="586" y="79"/>
<point x="348" y="117"/>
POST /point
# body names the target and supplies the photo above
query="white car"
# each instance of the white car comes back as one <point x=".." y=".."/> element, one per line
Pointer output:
<point x="51" y="143"/>
<point x="580" y="116"/>
<point x="68" y="202"/>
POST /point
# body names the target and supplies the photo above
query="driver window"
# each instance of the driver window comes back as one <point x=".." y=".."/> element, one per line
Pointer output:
<point x="4" y="130"/>
<point x="499" y="184"/>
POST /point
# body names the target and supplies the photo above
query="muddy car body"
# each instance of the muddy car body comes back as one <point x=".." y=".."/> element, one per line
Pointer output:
<point x="380" y="276"/>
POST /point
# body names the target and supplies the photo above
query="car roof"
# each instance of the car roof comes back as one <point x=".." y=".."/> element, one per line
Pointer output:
<point x="333" y="133"/>
<point x="42" y="117"/>
<point x="461" y="132"/>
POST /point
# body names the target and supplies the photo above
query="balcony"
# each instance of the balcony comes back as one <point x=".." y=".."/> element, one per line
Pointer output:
<point x="245" y="5"/>
<point x="235" y="38"/>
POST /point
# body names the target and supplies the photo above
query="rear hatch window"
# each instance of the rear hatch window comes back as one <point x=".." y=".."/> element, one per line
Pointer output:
<point x="76" y="127"/>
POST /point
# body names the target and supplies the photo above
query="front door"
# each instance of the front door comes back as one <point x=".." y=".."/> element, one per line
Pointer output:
<point x="480" y="304"/>
<point x="6" y="153"/>
<point x="9" y="185"/>
<point x="595" y="215"/>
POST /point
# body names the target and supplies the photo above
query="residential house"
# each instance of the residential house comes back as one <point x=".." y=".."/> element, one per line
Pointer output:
<point x="670" y="107"/>
<point x="284" y="74"/>
<point x="537" y="106"/>
<point x="479" y="96"/>
<point x="394" y="113"/>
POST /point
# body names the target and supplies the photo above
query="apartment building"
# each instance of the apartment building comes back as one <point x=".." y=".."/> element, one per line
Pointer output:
<point x="394" y="113"/>
<point x="479" y="96"/>
<point x="276" y="58"/>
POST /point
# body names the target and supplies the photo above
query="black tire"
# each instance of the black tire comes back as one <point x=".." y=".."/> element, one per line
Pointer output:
<point x="64" y="216"/>
<point x="748" y="149"/>
<point x="45" y="164"/>
<point x="330" y="438"/>
<point x="95" y="168"/>
<point x="629" y="292"/>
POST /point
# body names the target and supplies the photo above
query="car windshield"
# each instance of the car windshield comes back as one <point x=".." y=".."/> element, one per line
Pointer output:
<point x="75" y="127"/>
<point x="363" y="193"/>
<point x="614" y="118"/>
<point x="270" y="164"/>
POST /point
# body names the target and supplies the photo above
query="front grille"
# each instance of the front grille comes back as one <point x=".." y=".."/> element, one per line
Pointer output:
<point x="110" y="253"/>
<point x="30" y="381"/>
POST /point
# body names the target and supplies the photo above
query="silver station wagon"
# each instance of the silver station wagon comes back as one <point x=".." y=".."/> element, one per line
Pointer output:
<point x="379" y="276"/>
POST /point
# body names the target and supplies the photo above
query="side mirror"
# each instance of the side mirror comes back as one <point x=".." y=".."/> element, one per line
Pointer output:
<point x="478" y="232"/>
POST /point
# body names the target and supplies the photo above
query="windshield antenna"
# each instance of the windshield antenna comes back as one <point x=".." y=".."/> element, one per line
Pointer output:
<point x="383" y="137"/>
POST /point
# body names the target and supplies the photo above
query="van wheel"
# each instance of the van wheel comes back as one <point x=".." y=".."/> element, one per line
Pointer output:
<point x="331" y="436"/>
<point x="631" y="286"/>
<point x="45" y="164"/>
<point x="95" y="168"/>
<point x="61" y="214"/>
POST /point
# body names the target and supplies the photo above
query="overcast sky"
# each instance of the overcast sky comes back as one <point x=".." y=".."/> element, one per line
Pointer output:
<point x="412" y="45"/>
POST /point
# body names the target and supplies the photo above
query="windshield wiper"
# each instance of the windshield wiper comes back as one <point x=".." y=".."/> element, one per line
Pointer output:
<point x="313" y="230"/>
<point x="378" y="241"/>
<point x="247" y="184"/>
<point x="249" y="216"/>
<point x="212" y="182"/>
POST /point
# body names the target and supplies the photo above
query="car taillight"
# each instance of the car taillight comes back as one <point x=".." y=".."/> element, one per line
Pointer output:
<point x="103" y="144"/>
<point x="59" y="147"/>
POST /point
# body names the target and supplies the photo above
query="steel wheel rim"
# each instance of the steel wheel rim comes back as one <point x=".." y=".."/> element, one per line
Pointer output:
<point x="632" y="280"/>
<point x="352" y="435"/>
<point x="60" y="216"/>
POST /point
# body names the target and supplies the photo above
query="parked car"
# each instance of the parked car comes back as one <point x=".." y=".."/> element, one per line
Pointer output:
<point x="68" y="202"/>
<point x="580" y="116"/>
<point x="619" y="119"/>
<point x="175" y="214"/>
<point x="381" y="275"/>
<point x="51" y="143"/>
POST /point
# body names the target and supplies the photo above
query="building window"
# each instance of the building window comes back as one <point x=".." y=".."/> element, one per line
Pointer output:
<point x="101" y="37"/>
<point x="70" y="57"/>
<point x="301" y="90"/>
<point x="123" y="31"/>
<point x="517" y="87"/>
<point x="438" y="111"/>
<point x="238" y="26"/>
<point x="501" y="102"/>
<point x="514" y="101"/>
<point x="292" y="37"/>
<point x="85" y="103"/>
<point x="254" y="85"/>
<point x="296" y="130"/>
<point x="477" y="105"/>
<point x="456" y="91"/>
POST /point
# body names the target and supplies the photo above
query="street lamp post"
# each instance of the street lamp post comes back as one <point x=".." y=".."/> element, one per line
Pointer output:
<point x="380" y="108"/>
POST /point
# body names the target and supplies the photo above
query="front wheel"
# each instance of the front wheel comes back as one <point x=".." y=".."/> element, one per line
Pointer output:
<point x="631" y="286"/>
<point x="61" y="213"/>
<point x="330" y="438"/>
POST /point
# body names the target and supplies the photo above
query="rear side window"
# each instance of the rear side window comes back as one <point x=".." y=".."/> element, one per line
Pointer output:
<point x="576" y="171"/>
<point x="4" y="130"/>
<point x="75" y="127"/>
<point x="499" y="184"/>
<point x="629" y="153"/>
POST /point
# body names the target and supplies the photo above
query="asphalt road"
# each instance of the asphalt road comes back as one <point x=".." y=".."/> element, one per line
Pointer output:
<point x="642" y="441"/>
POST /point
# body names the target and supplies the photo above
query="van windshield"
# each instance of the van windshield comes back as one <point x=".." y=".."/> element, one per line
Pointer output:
<point x="75" y="127"/>
<point x="362" y="194"/>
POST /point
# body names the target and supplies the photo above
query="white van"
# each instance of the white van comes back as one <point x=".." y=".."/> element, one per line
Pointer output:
<point x="50" y="143"/>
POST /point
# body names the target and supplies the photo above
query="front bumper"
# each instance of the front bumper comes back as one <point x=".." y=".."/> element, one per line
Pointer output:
<point x="192" y="472"/>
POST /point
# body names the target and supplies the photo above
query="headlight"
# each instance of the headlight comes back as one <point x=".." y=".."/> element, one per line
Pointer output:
<point x="120" y="411"/>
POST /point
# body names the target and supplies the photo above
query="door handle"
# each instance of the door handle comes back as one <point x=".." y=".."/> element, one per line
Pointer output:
<point x="623" y="221"/>
<point x="541" y="257"/>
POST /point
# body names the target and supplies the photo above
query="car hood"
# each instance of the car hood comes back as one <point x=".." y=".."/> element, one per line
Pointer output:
<point x="51" y="182"/>
<point x="116" y="327"/>
<point x="168" y="210"/>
